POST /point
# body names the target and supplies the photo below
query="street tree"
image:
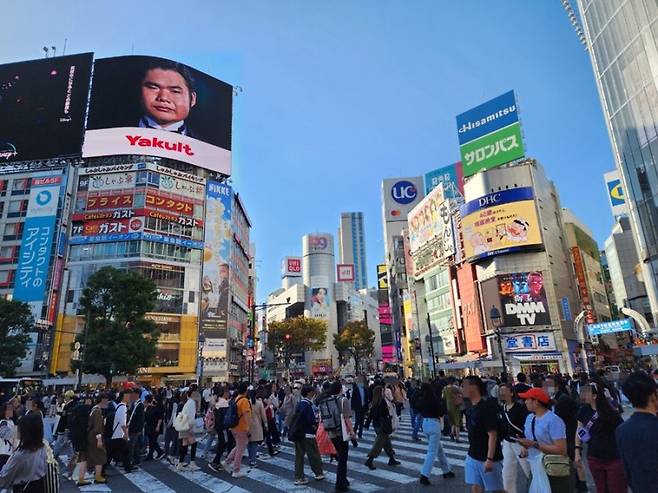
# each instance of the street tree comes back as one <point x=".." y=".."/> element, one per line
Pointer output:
<point x="357" y="341"/>
<point x="295" y="335"/>
<point x="117" y="339"/>
<point x="15" y="322"/>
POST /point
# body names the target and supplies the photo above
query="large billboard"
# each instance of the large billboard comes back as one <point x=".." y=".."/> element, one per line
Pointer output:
<point x="529" y="342"/>
<point x="523" y="299"/>
<point x="42" y="107"/>
<point x="382" y="276"/>
<point x="500" y="222"/>
<point x="610" y="327"/>
<point x="452" y="178"/>
<point x="490" y="134"/>
<point x="616" y="195"/>
<point x="400" y="195"/>
<point x="158" y="107"/>
<point x="431" y="240"/>
<point x="291" y="267"/>
<point x="37" y="242"/>
<point x="216" y="269"/>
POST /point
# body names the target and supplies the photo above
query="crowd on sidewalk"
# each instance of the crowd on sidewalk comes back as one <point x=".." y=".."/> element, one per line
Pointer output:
<point x="541" y="427"/>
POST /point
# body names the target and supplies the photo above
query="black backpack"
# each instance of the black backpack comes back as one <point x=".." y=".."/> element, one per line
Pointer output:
<point x="296" y="428"/>
<point x="79" y="422"/>
<point x="108" y="426"/>
<point x="231" y="417"/>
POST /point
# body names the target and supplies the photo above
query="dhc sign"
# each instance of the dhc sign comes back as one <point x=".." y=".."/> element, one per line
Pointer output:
<point x="404" y="192"/>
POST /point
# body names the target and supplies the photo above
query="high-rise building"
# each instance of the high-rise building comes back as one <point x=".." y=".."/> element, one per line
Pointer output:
<point x="622" y="38"/>
<point x="625" y="271"/>
<point x="352" y="246"/>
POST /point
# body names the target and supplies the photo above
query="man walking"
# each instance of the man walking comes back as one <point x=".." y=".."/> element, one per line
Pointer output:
<point x="136" y="426"/>
<point x="336" y="414"/>
<point x="359" y="402"/>
<point x="306" y="445"/>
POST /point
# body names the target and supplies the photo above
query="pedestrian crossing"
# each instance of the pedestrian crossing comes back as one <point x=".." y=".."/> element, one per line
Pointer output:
<point x="276" y="474"/>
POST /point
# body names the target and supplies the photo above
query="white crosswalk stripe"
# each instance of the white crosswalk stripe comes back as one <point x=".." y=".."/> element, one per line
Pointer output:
<point x="276" y="474"/>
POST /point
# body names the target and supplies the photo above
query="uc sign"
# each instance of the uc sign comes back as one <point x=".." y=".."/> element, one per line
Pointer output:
<point x="404" y="192"/>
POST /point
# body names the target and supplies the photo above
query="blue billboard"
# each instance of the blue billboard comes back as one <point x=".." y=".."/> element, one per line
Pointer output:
<point x="610" y="327"/>
<point x="452" y="177"/>
<point x="486" y="118"/>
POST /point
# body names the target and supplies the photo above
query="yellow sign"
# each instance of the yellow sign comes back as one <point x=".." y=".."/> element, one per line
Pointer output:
<point x="500" y="222"/>
<point x="382" y="276"/>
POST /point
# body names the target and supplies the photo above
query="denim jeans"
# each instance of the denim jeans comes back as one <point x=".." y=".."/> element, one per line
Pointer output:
<point x="252" y="449"/>
<point x="432" y="428"/>
<point x="416" y="423"/>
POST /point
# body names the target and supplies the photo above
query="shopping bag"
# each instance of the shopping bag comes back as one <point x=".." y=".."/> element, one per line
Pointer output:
<point x="540" y="483"/>
<point x="325" y="445"/>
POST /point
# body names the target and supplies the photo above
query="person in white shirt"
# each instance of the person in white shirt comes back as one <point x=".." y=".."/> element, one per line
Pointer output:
<point x="119" y="443"/>
<point x="187" y="437"/>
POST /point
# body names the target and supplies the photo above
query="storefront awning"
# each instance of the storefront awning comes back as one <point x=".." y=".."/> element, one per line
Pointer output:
<point x="537" y="356"/>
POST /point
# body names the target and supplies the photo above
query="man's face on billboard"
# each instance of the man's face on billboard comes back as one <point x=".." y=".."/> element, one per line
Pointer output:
<point x="166" y="97"/>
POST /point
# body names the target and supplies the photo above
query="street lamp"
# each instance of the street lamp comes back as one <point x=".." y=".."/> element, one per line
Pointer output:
<point x="251" y="339"/>
<point x="496" y="321"/>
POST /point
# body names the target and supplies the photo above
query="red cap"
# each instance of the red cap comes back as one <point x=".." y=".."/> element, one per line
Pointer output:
<point x="537" y="394"/>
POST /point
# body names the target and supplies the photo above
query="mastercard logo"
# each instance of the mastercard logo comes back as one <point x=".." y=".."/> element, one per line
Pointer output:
<point x="395" y="213"/>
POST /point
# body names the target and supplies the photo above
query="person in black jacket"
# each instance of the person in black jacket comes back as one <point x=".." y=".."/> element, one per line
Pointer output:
<point x="380" y="417"/>
<point x="154" y="417"/>
<point x="307" y="445"/>
<point x="359" y="403"/>
<point x="136" y="421"/>
<point x="430" y="406"/>
<point x="221" y="406"/>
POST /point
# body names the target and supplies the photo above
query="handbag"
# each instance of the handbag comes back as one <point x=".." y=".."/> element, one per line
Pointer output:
<point x="555" y="465"/>
<point x="182" y="422"/>
<point x="584" y="431"/>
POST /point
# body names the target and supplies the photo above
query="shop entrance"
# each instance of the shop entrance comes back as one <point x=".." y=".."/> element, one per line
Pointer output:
<point x="530" y="367"/>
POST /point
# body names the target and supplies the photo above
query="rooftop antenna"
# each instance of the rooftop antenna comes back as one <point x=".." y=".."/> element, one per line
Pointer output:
<point x="575" y="22"/>
<point x="45" y="51"/>
<point x="54" y="48"/>
<point x="64" y="50"/>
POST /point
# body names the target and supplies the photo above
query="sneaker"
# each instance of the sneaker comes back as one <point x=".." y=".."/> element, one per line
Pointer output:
<point x="227" y="466"/>
<point x="393" y="462"/>
<point x="448" y="475"/>
<point x="276" y="452"/>
<point x="320" y="477"/>
<point x="424" y="480"/>
<point x="193" y="467"/>
<point x="215" y="467"/>
<point x="252" y="464"/>
<point x="181" y="466"/>
<point x="161" y="456"/>
<point x="239" y="474"/>
<point x="301" y="482"/>
<point x="84" y="482"/>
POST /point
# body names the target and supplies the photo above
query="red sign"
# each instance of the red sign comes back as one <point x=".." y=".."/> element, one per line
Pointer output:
<point x="46" y="180"/>
<point x="104" y="227"/>
<point x="185" y="221"/>
<point x="581" y="281"/>
<point x="295" y="265"/>
<point x="160" y="201"/>
<point x="116" y="214"/>
<point x="110" y="201"/>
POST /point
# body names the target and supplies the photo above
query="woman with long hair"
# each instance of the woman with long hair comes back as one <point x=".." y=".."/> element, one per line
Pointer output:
<point x="381" y="419"/>
<point x="26" y="468"/>
<point x="432" y="409"/>
<point x="257" y="424"/>
<point x="8" y="433"/>
<point x="598" y="421"/>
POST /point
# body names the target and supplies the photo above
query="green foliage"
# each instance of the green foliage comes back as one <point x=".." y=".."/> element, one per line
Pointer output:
<point x="15" y="322"/>
<point x="305" y="334"/>
<point x="119" y="339"/>
<point x="356" y="340"/>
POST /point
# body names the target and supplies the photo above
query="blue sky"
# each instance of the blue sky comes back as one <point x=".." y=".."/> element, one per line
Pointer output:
<point x="338" y="95"/>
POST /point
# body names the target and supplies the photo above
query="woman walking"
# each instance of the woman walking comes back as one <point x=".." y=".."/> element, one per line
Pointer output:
<point x="598" y="421"/>
<point x="221" y="405"/>
<point x="153" y="426"/>
<point x="25" y="470"/>
<point x="452" y="395"/>
<point x="431" y="408"/>
<point x="257" y="425"/>
<point x="382" y="420"/>
<point x="171" y="435"/>
<point x="96" y="453"/>
<point x="187" y="438"/>
<point x="8" y="433"/>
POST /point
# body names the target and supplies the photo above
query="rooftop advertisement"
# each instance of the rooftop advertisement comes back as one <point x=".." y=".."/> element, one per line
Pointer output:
<point x="500" y="222"/>
<point x="42" y="107"/>
<point x="400" y="195"/>
<point x="616" y="195"/>
<point x="158" y="107"/>
<point x="452" y="178"/>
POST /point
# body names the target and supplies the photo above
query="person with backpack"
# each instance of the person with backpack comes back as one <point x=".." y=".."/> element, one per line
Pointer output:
<point x="336" y="416"/>
<point x="381" y="417"/>
<point x="153" y="418"/>
<point x="515" y="414"/>
<point x="220" y="408"/>
<point x="302" y="429"/>
<point x="238" y="420"/>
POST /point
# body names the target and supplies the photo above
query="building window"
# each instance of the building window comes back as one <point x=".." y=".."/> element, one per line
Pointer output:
<point x="17" y="208"/>
<point x="3" y="187"/>
<point x="6" y="278"/>
<point x="13" y="231"/>
<point x="8" y="254"/>
<point x="20" y="186"/>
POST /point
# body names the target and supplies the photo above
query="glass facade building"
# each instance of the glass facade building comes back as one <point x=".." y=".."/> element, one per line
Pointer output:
<point x="352" y="246"/>
<point x="622" y="38"/>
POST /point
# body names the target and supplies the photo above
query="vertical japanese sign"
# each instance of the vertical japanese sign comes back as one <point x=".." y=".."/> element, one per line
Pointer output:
<point x="216" y="270"/>
<point x="37" y="242"/>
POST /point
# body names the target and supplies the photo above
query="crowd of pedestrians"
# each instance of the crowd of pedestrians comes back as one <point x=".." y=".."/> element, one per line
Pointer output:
<point x="544" y="428"/>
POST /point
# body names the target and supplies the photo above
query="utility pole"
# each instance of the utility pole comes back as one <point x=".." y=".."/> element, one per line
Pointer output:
<point x="429" y="327"/>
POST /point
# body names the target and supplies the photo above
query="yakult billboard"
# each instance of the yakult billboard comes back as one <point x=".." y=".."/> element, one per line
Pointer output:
<point x="158" y="107"/>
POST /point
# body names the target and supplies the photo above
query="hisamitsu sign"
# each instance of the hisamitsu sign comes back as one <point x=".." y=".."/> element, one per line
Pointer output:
<point x="486" y="118"/>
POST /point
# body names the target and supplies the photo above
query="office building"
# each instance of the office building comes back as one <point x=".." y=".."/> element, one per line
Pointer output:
<point x="622" y="39"/>
<point x="352" y="246"/>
